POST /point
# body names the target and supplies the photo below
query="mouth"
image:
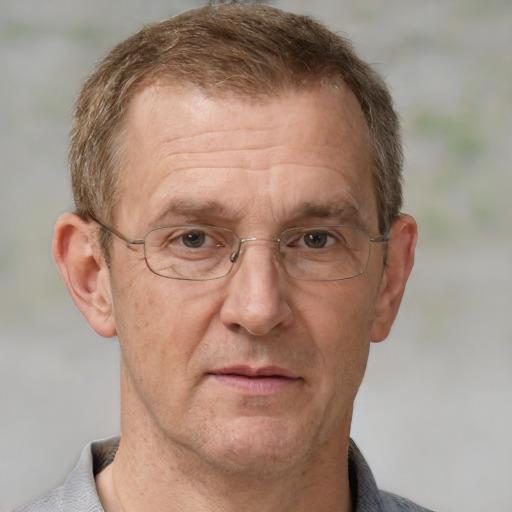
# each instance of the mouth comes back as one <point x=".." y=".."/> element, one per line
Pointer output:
<point x="262" y="381"/>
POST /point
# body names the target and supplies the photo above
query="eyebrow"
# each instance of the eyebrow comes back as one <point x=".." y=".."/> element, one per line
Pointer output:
<point x="191" y="208"/>
<point x="340" y="211"/>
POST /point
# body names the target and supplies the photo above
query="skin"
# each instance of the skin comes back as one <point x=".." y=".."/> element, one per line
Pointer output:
<point x="195" y="426"/>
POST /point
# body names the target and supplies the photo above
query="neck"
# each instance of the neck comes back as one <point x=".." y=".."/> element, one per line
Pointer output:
<point x="128" y="485"/>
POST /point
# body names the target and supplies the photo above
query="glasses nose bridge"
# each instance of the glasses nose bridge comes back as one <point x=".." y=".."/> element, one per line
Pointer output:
<point x="274" y="241"/>
<point x="257" y="239"/>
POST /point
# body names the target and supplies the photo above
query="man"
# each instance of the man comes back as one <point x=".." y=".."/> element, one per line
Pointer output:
<point x="237" y="178"/>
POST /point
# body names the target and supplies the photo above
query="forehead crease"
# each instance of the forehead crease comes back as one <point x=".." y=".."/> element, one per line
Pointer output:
<point x="274" y="138"/>
<point x="252" y="157"/>
<point x="206" y="136"/>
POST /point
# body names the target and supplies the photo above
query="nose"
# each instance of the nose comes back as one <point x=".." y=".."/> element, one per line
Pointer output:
<point x="256" y="301"/>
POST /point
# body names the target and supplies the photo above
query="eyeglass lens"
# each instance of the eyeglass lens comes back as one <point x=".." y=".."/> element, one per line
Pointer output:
<point x="324" y="253"/>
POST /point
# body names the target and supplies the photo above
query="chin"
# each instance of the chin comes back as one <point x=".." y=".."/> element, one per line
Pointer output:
<point x="261" y="446"/>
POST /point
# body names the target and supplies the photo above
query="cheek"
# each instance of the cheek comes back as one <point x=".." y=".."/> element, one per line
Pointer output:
<point x="160" y="325"/>
<point x="340" y="309"/>
<point x="337" y="318"/>
<point x="340" y="318"/>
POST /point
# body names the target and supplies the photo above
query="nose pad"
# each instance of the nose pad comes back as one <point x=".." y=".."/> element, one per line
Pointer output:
<point x="234" y="256"/>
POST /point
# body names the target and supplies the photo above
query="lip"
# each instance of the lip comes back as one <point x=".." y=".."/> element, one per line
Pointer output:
<point x="262" y="381"/>
<point x="248" y="371"/>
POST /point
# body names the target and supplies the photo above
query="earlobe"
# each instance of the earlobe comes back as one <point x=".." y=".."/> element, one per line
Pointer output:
<point x="84" y="271"/>
<point x="400" y="260"/>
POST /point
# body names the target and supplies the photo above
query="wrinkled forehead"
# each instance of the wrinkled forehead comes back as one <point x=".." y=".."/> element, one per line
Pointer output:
<point x="172" y="135"/>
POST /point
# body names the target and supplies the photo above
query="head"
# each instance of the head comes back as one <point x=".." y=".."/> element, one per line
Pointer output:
<point x="254" y="121"/>
<point x="230" y="50"/>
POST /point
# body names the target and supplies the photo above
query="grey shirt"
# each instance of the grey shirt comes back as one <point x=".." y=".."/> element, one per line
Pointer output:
<point x="78" y="493"/>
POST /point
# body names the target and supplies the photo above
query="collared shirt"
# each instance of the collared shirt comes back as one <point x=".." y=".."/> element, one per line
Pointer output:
<point x="78" y="493"/>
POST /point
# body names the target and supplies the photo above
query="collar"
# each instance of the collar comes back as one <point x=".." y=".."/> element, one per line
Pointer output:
<point x="80" y="486"/>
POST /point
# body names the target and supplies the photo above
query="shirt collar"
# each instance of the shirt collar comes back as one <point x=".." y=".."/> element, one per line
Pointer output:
<point x="99" y="454"/>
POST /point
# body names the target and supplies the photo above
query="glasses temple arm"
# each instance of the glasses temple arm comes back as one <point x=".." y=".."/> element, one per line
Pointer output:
<point x="119" y="235"/>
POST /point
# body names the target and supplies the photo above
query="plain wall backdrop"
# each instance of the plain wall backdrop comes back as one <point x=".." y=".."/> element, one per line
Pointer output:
<point x="434" y="414"/>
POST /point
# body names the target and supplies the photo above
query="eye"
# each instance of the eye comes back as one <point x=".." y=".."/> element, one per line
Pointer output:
<point x="189" y="241"/>
<point x="317" y="239"/>
<point x="194" y="239"/>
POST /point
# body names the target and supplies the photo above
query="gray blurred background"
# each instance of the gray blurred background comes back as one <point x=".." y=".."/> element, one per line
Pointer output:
<point x="434" y="415"/>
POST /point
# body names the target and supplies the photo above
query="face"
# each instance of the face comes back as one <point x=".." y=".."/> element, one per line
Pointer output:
<point x="256" y="369"/>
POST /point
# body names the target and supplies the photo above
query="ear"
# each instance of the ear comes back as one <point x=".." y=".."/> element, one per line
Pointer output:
<point x="400" y="260"/>
<point x="85" y="272"/>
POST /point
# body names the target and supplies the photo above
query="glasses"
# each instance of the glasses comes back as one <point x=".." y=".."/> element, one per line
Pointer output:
<point x="203" y="253"/>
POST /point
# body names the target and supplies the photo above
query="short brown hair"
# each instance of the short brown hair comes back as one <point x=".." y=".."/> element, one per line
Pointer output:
<point x="242" y="49"/>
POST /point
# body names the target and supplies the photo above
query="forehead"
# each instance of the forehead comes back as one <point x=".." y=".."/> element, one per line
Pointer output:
<point x="303" y="151"/>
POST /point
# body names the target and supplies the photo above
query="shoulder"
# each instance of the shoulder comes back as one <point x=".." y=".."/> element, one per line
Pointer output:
<point x="49" y="502"/>
<point x="365" y="493"/>
<point x="78" y="493"/>
<point x="394" y="503"/>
